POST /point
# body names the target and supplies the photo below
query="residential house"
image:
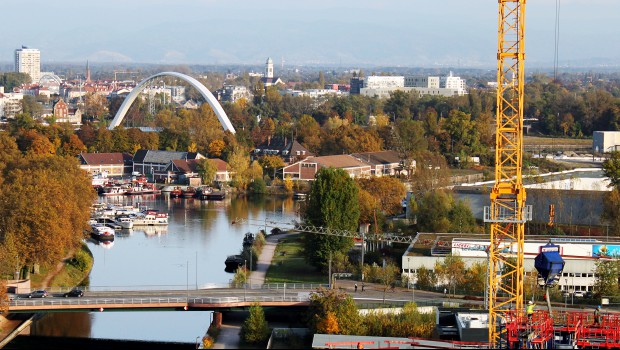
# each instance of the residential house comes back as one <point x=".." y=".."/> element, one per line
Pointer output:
<point x="288" y="149"/>
<point x="307" y="168"/>
<point x="155" y="162"/>
<point x="184" y="171"/>
<point x="385" y="163"/>
<point x="114" y="164"/>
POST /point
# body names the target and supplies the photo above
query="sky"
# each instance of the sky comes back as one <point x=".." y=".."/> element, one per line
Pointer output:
<point x="409" y="33"/>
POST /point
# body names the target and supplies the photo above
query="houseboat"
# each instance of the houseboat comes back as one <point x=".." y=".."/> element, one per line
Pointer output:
<point x="151" y="217"/>
<point x="138" y="189"/>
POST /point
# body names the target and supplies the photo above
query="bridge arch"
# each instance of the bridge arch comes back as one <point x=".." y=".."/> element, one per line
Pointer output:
<point x="206" y="94"/>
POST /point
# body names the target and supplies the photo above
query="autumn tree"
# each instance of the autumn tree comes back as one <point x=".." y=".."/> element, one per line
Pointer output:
<point x="215" y="148"/>
<point x="451" y="271"/>
<point x="95" y="106"/>
<point x="389" y="192"/>
<point x="386" y="275"/>
<point x="332" y="307"/>
<point x="333" y="203"/>
<point x="476" y="276"/>
<point x="255" y="329"/>
<point x="45" y="232"/>
<point x="271" y="163"/>
<point x="206" y="170"/>
<point x="238" y="163"/>
<point x="426" y="278"/>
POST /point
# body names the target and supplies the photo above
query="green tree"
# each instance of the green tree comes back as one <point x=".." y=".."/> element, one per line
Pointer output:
<point x="611" y="169"/>
<point x="432" y="211"/>
<point x="607" y="272"/>
<point x="207" y="170"/>
<point x="31" y="106"/>
<point x="461" y="217"/>
<point x="329" y="306"/>
<point x="333" y="204"/>
<point x="426" y="279"/>
<point x="255" y="329"/>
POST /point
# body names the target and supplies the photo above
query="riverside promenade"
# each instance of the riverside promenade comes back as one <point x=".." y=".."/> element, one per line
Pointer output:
<point x="229" y="333"/>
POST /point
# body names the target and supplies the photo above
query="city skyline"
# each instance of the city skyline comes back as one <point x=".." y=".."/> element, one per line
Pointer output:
<point x="420" y="33"/>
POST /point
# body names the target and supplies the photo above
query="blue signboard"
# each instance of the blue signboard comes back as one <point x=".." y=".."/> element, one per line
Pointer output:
<point x="605" y="251"/>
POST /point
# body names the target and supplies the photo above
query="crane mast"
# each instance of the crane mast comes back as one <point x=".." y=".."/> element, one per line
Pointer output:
<point x="507" y="213"/>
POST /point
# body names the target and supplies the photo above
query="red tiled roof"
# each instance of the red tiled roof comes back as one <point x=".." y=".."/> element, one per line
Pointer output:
<point x="104" y="158"/>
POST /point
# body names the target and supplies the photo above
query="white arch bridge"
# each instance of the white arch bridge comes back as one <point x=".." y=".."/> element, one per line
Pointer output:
<point x="206" y="94"/>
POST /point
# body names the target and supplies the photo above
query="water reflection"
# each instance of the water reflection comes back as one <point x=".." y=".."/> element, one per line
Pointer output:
<point x="189" y="253"/>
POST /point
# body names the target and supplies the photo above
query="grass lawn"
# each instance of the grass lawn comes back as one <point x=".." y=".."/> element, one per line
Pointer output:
<point x="537" y="140"/>
<point x="288" y="264"/>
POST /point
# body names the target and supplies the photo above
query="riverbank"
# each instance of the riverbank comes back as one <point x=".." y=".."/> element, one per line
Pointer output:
<point x="71" y="271"/>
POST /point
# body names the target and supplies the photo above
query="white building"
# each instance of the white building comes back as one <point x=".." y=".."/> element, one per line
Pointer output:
<point x="28" y="61"/>
<point x="381" y="82"/>
<point x="383" y="86"/>
<point x="10" y="104"/>
<point x="580" y="256"/>
<point x="452" y="82"/>
<point x="605" y="141"/>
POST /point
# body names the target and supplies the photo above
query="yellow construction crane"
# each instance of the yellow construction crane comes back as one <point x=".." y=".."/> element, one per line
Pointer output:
<point x="507" y="213"/>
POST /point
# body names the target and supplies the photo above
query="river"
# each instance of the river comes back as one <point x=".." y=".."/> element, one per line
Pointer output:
<point x="190" y="253"/>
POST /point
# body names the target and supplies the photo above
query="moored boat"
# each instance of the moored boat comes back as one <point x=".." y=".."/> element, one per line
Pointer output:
<point x="114" y="190"/>
<point x="101" y="232"/>
<point x="203" y="192"/>
<point x="188" y="192"/>
<point x="216" y="195"/>
<point x="176" y="192"/>
<point x="143" y="189"/>
<point x="233" y="262"/>
<point x="150" y="217"/>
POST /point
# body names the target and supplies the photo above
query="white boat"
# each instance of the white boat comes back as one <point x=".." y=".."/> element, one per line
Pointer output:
<point x="150" y="217"/>
<point x="124" y="221"/>
<point x="113" y="190"/>
<point x="102" y="232"/>
<point x="100" y="179"/>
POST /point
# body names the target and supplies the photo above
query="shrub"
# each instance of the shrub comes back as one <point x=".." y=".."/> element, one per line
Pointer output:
<point x="80" y="260"/>
<point x="255" y="329"/>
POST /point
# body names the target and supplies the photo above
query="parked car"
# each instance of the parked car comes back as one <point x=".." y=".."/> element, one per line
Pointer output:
<point x="41" y="293"/>
<point x="589" y="295"/>
<point x="74" y="293"/>
<point x="579" y="294"/>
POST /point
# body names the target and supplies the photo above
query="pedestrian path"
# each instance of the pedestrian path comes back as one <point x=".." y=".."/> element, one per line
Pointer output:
<point x="229" y="333"/>
<point x="264" y="260"/>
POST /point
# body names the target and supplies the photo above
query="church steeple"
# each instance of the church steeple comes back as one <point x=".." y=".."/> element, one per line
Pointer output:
<point x="269" y="68"/>
<point x="87" y="72"/>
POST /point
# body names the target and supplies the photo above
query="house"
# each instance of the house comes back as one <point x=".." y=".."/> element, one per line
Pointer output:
<point x="114" y="164"/>
<point x="153" y="161"/>
<point x="288" y="149"/>
<point x="183" y="171"/>
<point x="384" y="163"/>
<point x="306" y="169"/>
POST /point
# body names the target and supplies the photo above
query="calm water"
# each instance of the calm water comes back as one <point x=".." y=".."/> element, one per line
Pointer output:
<point x="190" y="252"/>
